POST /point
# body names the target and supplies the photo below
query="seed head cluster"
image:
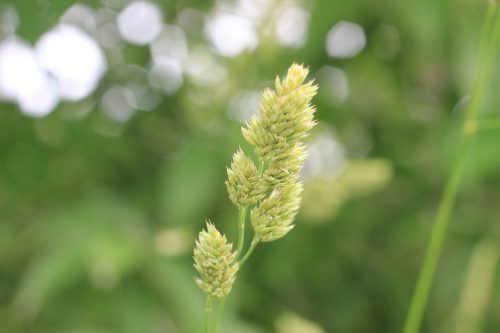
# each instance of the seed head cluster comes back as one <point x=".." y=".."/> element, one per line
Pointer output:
<point x="215" y="262"/>
<point x="272" y="191"/>
<point x="285" y="118"/>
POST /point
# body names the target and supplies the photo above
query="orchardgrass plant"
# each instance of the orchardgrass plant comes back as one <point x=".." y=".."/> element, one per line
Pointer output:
<point x="271" y="191"/>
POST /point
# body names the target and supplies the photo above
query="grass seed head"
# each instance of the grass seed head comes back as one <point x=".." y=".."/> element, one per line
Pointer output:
<point x="215" y="262"/>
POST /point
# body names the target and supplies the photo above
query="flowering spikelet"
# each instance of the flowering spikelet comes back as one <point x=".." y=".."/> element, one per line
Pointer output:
<point x="214" y="261"/>
<point x="244" y="184"/>
<point x="286" y="116"/>
<point x="276" y="134"/>
<point x="285" y="170"/>
<point x="273" y="218"/>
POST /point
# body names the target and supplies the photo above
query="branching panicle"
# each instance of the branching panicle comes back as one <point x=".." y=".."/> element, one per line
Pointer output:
<point x="272" y="194"/>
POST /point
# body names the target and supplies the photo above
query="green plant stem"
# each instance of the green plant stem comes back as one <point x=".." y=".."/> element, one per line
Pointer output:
<point x="218" y="317"/>
<point x="254" y="243"/>
<point x="239" y="251"/>
<point x="486" y="46"/>
<point x="434" y="248"/>
<point x="436" y="242"/>
<point x="208" y="313"/>
<point x="255" y="240"/>
<point x="241" y="228"/>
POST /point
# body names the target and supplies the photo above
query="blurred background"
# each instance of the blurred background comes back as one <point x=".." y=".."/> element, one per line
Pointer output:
<point x="118" y="118"/>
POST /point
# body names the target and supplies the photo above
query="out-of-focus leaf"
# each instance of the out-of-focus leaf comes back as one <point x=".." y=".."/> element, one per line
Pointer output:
<point x="97" y="239"/>
<point x="175" y="284"/>
<point x="190" y="186"/>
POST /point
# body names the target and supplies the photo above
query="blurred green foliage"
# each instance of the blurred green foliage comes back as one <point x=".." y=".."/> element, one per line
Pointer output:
<point x="98" y="218"/>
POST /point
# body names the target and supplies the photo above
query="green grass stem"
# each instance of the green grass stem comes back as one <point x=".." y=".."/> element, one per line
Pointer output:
<point x="208" y="313"/>
<point x="488" y="44"/>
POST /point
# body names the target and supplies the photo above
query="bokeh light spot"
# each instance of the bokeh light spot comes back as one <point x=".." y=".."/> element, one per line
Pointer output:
<point x="334" y="85"/>
<point x="243" y="105"/>
<point x="231" y="34"/>
<point x="171" y="43"/>
<point x="117" y="104"/>
<point x="166" y="75"/>
<point x="140" y="22"/>
<point x="291" y="26"/>
<point x="327" y="157"/>
<point x="74" y="59"/>
<point x="79" y="15"/>
<point x="345" y="40"/>
<point x="24" y="80"/>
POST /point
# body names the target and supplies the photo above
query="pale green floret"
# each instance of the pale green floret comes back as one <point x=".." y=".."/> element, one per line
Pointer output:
<point x="273" y="218"/>
<point x="285" y="171"/>
<point x="295" y="76"/>
<point x="289" y="116"/>
<point x="215" y="262"/>
<point x="286" y="116"/>
<point x="266" y="145"/>
<point x="244" y="185"/>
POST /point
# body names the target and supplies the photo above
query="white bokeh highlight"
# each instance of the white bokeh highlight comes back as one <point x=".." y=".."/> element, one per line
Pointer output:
<point x="334" y="84"/>
<point x="117" y="104"/>
<point x="243" y="105"/>
<point x="166" y="75"/>
<point x="204" y="69"/>
<point x="140" y="22"/>
<point x="79" y="15"/>
<point x="74" y="59"/>
<point x="326" y="158"/>
<point x="291" y="26"/>
<point x="9" y="20"/>
<point x="230" y="34"/>
<point x="345" y="40"/>
<point x="40" y="101"/>
<point x="255" y="10"/>
<point x="24" y="80"/>
<point x="171" y="43"/>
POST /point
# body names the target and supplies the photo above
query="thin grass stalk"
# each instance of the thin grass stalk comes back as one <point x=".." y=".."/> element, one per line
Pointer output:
<point x="208" y="313"/>
<point x="489" y="44"/>
<point x="241" y="227"/>
<point x="220" y="312"/>
<point x="254" y="243"/>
